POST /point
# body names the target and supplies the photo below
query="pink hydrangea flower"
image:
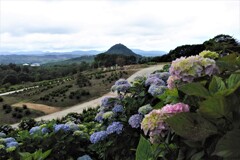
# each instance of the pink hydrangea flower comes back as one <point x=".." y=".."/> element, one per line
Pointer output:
<point x="175" y="108"/>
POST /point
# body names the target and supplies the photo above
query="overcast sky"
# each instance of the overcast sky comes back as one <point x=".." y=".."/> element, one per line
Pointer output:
<point x="66" y="25"/>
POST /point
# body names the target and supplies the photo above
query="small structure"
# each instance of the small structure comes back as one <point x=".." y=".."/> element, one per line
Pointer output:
<point x="35" y="65"/>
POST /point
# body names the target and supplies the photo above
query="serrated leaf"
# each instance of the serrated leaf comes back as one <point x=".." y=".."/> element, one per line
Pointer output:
<point x="195" y="89"/>
<point x="216" y="85"/>
<point x="228" y="146"/>
<point x="214" y="107"/>
<point x="191" y="126"/>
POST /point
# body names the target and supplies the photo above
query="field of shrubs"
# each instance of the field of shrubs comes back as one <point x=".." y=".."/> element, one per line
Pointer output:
<point x="187" y="111"/>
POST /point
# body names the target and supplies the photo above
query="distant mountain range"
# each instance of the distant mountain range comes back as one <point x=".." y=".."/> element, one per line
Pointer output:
<point x="69" y="57"/>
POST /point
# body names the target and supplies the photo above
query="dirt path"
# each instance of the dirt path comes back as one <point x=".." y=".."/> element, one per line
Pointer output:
<point x="41" y="107"/>
<point x="94" y="103"/>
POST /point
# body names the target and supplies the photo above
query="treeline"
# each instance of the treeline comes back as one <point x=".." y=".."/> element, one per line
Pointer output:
<point x="222" y="44"/>
<point x="16" y="74"/>
<point x="108" y="60"/>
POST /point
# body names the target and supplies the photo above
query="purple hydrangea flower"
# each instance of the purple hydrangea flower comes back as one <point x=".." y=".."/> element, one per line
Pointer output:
<point x="35" y="129"/>
<point x="115" y="127"/>
<point x="154" y="80"/>
<point x="156" y="75"/>
<point x="121" y="85"/>
<point x="98" y="136"/>
<point x="156" y="90"/>
<point x="121" y="81"/>
<point x="105" y="102"/>
<point x="135" y="120"/>
<point x="117" y="108"/>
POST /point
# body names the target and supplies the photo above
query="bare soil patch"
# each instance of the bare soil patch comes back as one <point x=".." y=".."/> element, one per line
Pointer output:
<point x="40" y="107"/>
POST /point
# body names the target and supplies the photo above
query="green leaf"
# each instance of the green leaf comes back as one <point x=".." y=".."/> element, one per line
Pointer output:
<point x="46" y="154"/>
<point x="233" y="80"/>
<point x="214" y="107"/>
<point x="191" y="126"/>
<point x="216" y="85"/>
<point x="198" y="155"/>
<point x="195" y="89"/>
<point x="169" y="96"/>
<point x="228" y="146"/>
<point x="144" y="150"/>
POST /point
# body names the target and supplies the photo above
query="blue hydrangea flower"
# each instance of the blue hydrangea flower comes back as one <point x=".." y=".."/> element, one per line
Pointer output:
<point x="10" y="139"/>
<point x="154" y="80"/>
<point x="156" y="90"/>
<point x="117" y="108"/>
<point x="98" y="136"/>
<point x="34" y="129"/>
<point x="2" y="135"/>
<point x="45" y="130"/>
<point x="85" y="157"/>
<point x="72" y="126"/>
<point x="115" y="127"/>
<point x="135" y="120"/>
<point x="12" y="144"/>
<point x="63" y="127"/>
<point x="99" y="117"/>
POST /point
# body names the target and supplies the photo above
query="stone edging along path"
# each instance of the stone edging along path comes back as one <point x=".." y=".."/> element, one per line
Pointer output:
<point x="94" y="103"/>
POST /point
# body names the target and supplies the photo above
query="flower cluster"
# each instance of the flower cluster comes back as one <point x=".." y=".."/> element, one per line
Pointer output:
<point x="85" y="157"/>
<point x="135" y="120"/>
<point x="209" y="54"/>
<point x="175" y="108"/>
<point x="145" y="109"/>
<point x="69" y="126"/>
<point x="153" y="123"/>
<point x="156" y="90"/>
<point x="121" y="85"/>
<point x="115" y="127"/>
<point x="38" y="129"/>
<point x="117" y="108"/>
<point x="110" y="107"/>
<point x="10" y="144"/>
<point x="106" y="102"/>
<point x="2" y="135"/>
<point x="98" y="136"/>
<point x="187" y="69"/>
<point x="156" y="83"/>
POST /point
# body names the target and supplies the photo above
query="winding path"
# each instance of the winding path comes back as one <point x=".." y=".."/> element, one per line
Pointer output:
<point x="94" y="103"/>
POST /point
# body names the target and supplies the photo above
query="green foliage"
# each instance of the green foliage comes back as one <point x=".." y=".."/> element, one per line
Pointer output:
<point x="191" y="126"/>
<point x="195" y="89"/>
<point x="228" y="146"/>
<point x="144" y="150"/>
<point x="38" y="155"/>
